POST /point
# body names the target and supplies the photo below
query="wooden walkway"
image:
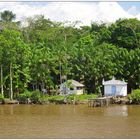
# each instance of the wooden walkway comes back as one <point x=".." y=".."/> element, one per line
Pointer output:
<point x="99" y="102"/>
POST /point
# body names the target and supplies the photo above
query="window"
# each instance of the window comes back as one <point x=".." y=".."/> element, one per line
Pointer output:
<point x="79" y="88"/>
<point x="71" y="88"/>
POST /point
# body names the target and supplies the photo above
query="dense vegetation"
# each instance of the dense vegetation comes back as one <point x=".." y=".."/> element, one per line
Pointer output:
<point x="37" y="97"/>
<point x="135" y="96"/>
<point x="45" y="53"/>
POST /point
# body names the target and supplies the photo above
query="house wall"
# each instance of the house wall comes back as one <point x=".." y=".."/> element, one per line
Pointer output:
<point x="75" y="91"/>
<point x="120" y="90"/>
<point x="79" y="92"/>
<point x="72" y="91"/>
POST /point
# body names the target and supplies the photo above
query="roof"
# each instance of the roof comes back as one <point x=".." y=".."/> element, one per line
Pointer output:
<point x="114" y="82"/>
<point x="74" y="83"/>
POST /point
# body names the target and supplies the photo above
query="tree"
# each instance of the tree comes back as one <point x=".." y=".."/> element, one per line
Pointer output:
<point x="47" y="52"/>
<point x="126" y="33"/>
<point x="7" y="16"/>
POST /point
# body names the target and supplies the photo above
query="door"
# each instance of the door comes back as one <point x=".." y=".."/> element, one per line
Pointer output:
<point x="113" y="89"/>
<point x="64" y="90"/>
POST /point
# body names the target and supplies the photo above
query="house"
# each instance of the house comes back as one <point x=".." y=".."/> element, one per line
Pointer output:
<point x="115" y="88"/>
<point x="71" y="87"/>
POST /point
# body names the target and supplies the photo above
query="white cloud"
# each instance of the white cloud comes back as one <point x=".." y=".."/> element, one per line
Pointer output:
<point x="72" y="11"/>
<point x="133" y="10"/>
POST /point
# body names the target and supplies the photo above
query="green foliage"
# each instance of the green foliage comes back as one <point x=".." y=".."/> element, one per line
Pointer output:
<point x="126" y="33"/>
<point x="86" y="96"/>
<point x="1" y="98"/>
<point x="35" y="96"/>
<point x="23" y="97"/>
<point x="69" y="98"/>
<point x="81" y="97"/>
<point x="135" y="96"/>
<point x="7" y="16"/>
<point x="46" y="51"/>
<point x="56" y="98"/>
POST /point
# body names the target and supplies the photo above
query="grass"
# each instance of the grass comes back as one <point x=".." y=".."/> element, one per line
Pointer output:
<point x="56" y="98"/>
<point x="81" y="97"/>
<point x="61" y="98"/>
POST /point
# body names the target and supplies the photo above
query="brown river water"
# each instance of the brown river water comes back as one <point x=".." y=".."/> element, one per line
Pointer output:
<point x="69" y="121"/>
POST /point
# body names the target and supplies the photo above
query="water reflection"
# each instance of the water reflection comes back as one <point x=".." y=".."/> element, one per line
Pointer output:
<point x="69" y="121"/>
<point x="117" y="111"/>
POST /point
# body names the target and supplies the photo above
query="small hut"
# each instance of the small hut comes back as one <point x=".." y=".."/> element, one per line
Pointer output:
<point x="115" y="88"/>
<point x="71" y="87"/>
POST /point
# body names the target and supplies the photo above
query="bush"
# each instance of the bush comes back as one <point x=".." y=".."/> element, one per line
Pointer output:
<point x="81" y="97"/>
<point x="58" y="98"/>
<point x="36" y="96"/>
<point x="44" y="98"/>
<point x="1" y="98"/>
<point x="86" y="96"/>
<point x="71" y="97"/>
<point x="23" y="97"/>
<point x="135" y="96"/>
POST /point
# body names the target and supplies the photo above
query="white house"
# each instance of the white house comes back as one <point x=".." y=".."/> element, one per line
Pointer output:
<point x="115" y="88"/>
<point x="71" y="87"/>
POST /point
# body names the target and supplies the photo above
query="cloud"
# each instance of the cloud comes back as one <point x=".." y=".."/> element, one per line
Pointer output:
<point x="133" y="10"/>
<point x="86" y="12"/>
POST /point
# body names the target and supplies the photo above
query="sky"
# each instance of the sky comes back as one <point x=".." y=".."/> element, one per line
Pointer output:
<point x="85" y="12"/>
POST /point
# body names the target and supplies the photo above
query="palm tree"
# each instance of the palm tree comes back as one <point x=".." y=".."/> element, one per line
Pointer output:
<point x="7" y="16"/>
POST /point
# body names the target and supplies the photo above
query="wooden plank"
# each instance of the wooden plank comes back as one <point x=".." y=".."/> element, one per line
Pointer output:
<point x="102" y="101"/>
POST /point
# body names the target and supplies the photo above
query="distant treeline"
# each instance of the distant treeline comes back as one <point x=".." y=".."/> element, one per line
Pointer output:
<point x="45" y="53"/>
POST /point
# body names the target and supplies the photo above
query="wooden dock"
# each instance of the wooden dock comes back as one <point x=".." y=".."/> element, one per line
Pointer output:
<point x="100" y="102"/>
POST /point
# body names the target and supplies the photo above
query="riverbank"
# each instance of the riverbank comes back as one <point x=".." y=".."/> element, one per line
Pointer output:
<point x="70" y="99"/>
<point x="38" y="98"/>
<point x="35" y="97"/>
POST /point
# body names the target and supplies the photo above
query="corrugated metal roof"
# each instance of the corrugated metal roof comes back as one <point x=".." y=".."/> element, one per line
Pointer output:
<point x="74" y="83"/>
<point x="114" y="82"/>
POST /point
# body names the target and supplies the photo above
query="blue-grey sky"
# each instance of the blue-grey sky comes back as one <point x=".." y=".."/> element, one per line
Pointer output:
<point x="129" y="4"/>
<point x="86" y="12"/>
<point x="134" y="6"/>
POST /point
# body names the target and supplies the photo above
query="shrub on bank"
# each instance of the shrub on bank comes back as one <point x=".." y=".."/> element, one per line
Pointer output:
<point x="81" y="97"/>
<point x="23" y="97"/>
<point x="56" y="98"/>
<point x="69" y="98"/>
<point x="38" y="97"/>
<point x="35" y="96"/>
<point x="27" y="96"/>
<point x="86" y="96"/>
<point x="1" y="98"/>
<point x="135" y="96"/>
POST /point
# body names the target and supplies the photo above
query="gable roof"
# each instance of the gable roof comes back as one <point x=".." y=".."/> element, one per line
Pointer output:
<point x="74" y="83"/>
<point x="114" y="82"/>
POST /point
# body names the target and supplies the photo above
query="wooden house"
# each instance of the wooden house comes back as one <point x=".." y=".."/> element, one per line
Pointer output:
<point x="71" y="87"/>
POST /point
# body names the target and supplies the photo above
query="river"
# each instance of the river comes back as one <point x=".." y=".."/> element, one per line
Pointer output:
<point x="69" y="121"/>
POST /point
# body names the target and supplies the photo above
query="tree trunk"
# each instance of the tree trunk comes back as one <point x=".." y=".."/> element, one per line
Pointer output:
<point x="11" y="83"/>
<point x="2" y="92"/>
<point x="60" y="70"/>
<point x="42" y="87"/>
<point x="36" y="86"/>
<point x="33" y="87"/>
